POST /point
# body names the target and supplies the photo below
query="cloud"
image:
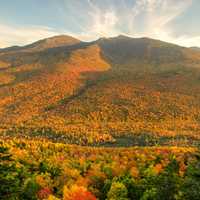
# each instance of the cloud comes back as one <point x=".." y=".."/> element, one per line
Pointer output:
<point x="102" y="22"/>
<point x="143" y="18"/>
<point x="104" y="25"/>
<point x="187" y="41"/>
<point x="10" y="35"/>
<point x="160" y="18"/>
<point x="108" y="18"/>
<point x="157" y="15"/>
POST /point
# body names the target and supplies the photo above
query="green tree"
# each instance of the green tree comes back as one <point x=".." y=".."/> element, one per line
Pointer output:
<point x="150" y="194"/>
<point x="118" y="191"/>
<point x="168" y="182"/>
<point x="9" y="177"/>
<point x="30" y="189"/>
<point x="191" y="185"/>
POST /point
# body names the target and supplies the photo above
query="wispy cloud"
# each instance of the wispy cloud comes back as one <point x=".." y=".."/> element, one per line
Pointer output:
<point x="105" y="18"/>
<point x="159" y="13"/>
<point x="10" y="35"/>
<point x="144" y="18"/>
<point x="102" y="23"/>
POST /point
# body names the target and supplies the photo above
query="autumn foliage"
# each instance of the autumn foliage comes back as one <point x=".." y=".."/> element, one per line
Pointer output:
<point x="66" y="105"/>
<point x="77" y="193"/>
<point x="94" y="93"/>
<point x="46" y="170"/>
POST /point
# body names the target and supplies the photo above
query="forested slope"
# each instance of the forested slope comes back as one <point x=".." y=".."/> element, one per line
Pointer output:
<point x="110" y="90"/>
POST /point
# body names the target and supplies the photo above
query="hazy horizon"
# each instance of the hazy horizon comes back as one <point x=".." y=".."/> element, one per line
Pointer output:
<point x="23" y="22"/>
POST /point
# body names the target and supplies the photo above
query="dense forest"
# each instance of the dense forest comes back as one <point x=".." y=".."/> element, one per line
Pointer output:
<point x="38" y="169"/>
<point x="102" y="91"/>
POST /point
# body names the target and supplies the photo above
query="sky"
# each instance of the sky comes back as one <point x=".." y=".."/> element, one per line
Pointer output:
<point x="25" y="21"/>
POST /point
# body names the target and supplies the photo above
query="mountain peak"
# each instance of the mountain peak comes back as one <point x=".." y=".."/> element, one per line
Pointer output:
<point x="52" y="42"/>
<point x="122" y="37"/>
<point x="116" y="37"/>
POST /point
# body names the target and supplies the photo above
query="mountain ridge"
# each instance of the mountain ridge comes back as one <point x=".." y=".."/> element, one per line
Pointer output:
<point x="53" y="42"/>
<point x="69" y="37"/>
<point x="43" y="44"/>
<point x="93" y="92"/>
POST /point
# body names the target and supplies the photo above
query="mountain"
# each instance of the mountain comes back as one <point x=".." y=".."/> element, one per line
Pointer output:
<point x="126" y="51"/>
<point x="56" y="41"/>
<point x="41" y="45"/>
<point x="102" y="91"/>
<point x="13" y="48"/>
<point x="195" y="48"/>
